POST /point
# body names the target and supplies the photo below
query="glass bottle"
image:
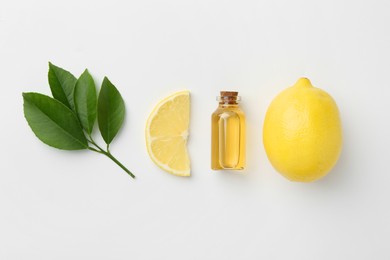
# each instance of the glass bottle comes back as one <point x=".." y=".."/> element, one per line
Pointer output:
<point x="228" y="132"/>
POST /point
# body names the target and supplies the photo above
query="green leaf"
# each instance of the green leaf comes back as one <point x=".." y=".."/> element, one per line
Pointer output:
<point x="111" y="111"/>
<point x="62" y="84"/>
<point x="53" y="123"/>
<point x="85" y="100"/>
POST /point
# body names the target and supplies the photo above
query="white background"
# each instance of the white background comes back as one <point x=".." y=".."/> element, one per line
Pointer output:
<point x="79" y="205"/>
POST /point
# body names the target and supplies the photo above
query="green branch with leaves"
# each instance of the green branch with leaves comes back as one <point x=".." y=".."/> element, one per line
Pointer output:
<point x="66" y="121"/>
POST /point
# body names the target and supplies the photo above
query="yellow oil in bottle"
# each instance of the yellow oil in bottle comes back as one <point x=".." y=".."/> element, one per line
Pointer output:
<point x="228" y="132"/>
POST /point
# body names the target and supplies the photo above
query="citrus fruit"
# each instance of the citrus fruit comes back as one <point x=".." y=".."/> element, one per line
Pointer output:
<point x="302" y="132"/>
<point x="167" y="133"/>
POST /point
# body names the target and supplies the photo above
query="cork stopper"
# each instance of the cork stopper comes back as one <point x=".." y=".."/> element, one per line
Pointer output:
<point x="228" y="97"/>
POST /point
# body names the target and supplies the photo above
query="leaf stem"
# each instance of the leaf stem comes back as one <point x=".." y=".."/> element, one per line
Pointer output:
<point x="95" y="144"/>
<point x="93" y="149"/>
<point x="109" y="155"/>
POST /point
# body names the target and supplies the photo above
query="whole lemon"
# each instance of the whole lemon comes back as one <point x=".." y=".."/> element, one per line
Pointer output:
<point x="302" y="132"/>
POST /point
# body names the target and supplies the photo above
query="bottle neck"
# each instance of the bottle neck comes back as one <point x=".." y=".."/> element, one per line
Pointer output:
<point x="227" y="104"/>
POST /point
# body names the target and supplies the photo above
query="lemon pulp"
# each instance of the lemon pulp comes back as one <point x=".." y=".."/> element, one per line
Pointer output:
<point x="166" y="134"/>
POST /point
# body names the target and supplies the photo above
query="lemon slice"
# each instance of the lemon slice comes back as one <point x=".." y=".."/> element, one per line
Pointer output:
<point x="167" y="133"/>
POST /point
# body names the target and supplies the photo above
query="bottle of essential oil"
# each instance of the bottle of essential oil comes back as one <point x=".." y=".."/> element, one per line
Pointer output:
<point x="228" y="133"/>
